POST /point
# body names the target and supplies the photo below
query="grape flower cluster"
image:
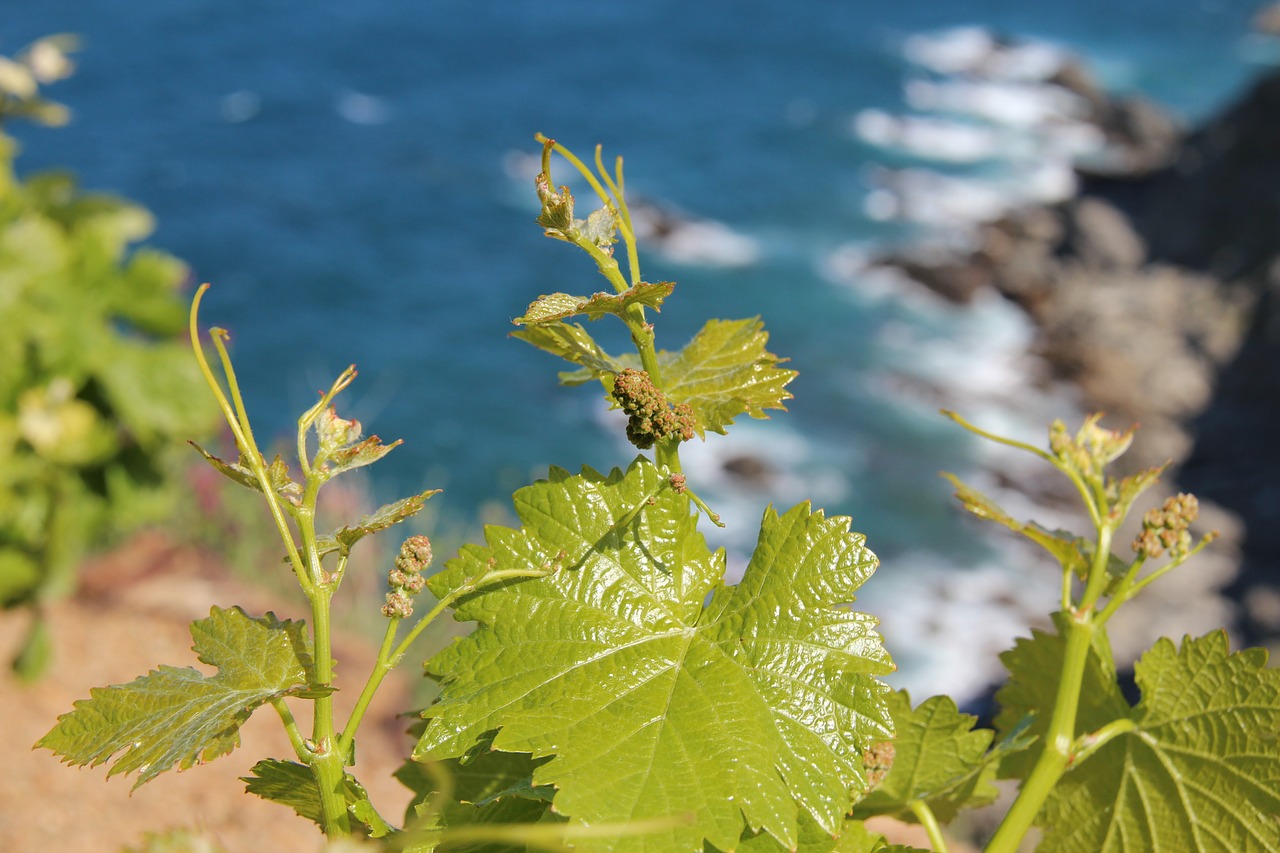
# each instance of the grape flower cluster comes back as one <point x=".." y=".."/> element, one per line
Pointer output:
<point x="405" y="577"/>
<point x="1166" y="528"/>
<point x="650" y="417"/>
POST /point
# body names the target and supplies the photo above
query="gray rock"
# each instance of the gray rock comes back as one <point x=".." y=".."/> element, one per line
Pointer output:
<point x="1100" y="236"/>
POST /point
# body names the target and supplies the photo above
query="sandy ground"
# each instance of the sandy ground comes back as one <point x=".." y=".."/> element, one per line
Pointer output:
<point x="132" y="616"/>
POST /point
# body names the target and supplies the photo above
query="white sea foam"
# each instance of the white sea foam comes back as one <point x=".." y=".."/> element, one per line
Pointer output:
<point x="360" y="108"/>
<point x="947" y="623"/>
<point x="690" y="240"/>
<point x="937" y="138"/>
<point x="937" y="200"/>
<point x="976" y="51"/>
<point x="1018" y="105"/>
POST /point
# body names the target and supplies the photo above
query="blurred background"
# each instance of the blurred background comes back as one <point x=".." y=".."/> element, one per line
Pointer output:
<point x="355" y="180"/>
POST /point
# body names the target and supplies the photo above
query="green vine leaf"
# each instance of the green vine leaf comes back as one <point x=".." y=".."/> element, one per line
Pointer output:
<point x="342" y="448"/>
<point x="854" y="837"/>
<point x="1063" y="545"/>
<point x="1034" y="666"/>
<point x="294" y="785"/>
<point x="574" y="344"/>
<point x="179" y="717"/>
<point x="241" y="472"/>
<point x="725" y="371"/>
<point x="1202" y="770"/>
<point x="1071" y="551"/>
<point x="658" y="690"/>
<point x="938" y="758"/>
<point x="561" y="306"/>
<point x="483" y="776"/>
<point x="388" y="515"/>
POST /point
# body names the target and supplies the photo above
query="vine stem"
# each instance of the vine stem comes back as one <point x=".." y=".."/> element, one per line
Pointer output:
<point x="1059" y="741"/>
<point x="925" y="815"/>
<point x="238" y="419"/>
<point x="391" y="653"/>
<point x="291" y="728"/>
<point x="328" y="762"/>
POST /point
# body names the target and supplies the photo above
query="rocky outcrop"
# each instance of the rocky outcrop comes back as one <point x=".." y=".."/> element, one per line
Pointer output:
<point x="1157" y="291"/>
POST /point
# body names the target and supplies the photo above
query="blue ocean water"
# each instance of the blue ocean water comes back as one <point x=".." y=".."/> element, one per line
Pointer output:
<point x="343" y="174"/>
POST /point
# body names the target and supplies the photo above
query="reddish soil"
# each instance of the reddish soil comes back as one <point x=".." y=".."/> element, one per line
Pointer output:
<point x="131" y="616"/>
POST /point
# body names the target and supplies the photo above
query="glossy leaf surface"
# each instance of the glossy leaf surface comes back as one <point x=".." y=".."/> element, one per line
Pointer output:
<point x="741" y="708"/>
<point x="574" y="344"/>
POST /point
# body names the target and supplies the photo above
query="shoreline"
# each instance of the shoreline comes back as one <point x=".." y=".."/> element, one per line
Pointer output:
<point x="1153" y="291"/>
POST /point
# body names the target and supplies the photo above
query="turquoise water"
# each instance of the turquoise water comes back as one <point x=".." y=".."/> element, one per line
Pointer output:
<point x="341" y="173"/>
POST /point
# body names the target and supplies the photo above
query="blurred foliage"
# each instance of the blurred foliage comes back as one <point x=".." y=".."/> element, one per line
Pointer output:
<point x="97" y="394"/>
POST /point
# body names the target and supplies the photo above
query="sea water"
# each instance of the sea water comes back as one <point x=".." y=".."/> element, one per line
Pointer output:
<point x="353" y="179"/>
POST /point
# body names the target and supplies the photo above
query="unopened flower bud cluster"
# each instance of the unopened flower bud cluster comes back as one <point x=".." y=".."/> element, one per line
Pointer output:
<point x="1167" y="528"/>
<point x="1092" y="448"/>
<point x="405" y="578"/>
<point x="650" y="417"/>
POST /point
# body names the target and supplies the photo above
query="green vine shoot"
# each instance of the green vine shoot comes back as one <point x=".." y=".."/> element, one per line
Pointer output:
<point x="615" y="693"/>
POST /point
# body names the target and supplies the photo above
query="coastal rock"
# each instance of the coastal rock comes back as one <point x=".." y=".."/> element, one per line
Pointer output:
<point x="1141" y="136"/>
<point x="1100" y="236"/>
<point x="1267" y="20"/>
<point x="1156" y="291"/>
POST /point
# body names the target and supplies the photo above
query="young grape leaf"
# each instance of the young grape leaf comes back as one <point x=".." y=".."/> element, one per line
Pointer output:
<point x="574" y="344"/>
<point x="1202" y="770"/>
<point x="240" y="472"/>
<point x="1063" y="545"/>
<point x="561" y="306"/>
<point x="1034" y="667"/>
<point x="294" y="785"/>
<point x="938" y="758"/>
<point x="178" y="716"/>
<point x="740" y="709"/>
<point x="357" y="454"/>
<point x="725" y="371"/>
<point x="380" y="519"/>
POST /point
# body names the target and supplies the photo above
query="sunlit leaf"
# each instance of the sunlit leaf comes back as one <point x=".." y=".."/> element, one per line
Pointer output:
<point x="574" y="344"/>
<point x="380" y="519"/>
<point x="725" y="371"/>
<point x="853" y="837"/>
<point x="241" y="472"/>
<point x="658" y="690"/>
<point x="561" y="306"/>
<point x="178" y="717"/>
